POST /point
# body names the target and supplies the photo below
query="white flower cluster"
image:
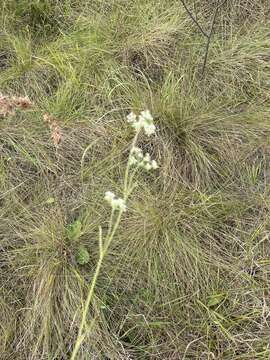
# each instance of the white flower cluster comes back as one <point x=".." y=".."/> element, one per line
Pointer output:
<point x="116" y="203"/>
<point x="144" y="120"/>
<point x="138" y="159"/>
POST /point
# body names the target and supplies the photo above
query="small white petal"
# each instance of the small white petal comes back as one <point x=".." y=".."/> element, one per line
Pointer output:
<point x="149" y="129"/>
<point x="154" y="164"/>
<point x="147" y="166"/>
<point x="133" y="160"/>
<point x="137" y="125"/>
<point x="143" y="121"/>
<point x="119" y="204"/>
<point x="109" y="196"/>
<point x="147" y="115"/>
<point x="131" y="117"/>
<point x="137" y="152"/>
<point x="147" y="157"/>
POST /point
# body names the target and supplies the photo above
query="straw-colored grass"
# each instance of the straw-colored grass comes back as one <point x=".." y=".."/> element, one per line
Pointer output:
<point x="187" y="274"/>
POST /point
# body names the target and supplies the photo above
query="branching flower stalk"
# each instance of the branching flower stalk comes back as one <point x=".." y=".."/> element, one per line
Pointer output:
<point x="136" y="160"/>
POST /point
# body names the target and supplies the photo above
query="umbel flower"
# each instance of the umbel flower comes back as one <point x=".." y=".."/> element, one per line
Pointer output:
<point x="136" y="158"/>
<point x="143" y="121"/>
<point x="144" y="161"/>
<point x="116" y="203"/>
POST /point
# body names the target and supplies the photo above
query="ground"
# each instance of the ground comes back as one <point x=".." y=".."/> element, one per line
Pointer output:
<point x="187" y="273"/>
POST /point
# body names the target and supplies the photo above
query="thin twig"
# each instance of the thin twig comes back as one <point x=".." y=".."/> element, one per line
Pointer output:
<point x="208" y="41"/>
<point x="193" y="18"/>
<point x="209" y="36"/>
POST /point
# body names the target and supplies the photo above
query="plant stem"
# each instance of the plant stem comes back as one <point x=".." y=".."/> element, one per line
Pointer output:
<point x="128" y="165"/>
<point x="103" y="251"/>
<point x="80" y="336"/>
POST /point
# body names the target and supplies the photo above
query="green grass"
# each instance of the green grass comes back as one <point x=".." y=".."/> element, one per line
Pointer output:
<point x="187" y="275"/>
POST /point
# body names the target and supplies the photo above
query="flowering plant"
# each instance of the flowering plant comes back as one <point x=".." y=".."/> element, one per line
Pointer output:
<point x="144" y="120"/>
<point x="118" y="205"/>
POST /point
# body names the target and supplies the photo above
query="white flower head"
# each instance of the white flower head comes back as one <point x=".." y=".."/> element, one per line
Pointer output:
<point x="137" y="125"/>
<point x="116" y="203"/>
<point x="147" y="166"/>
<point x="137" y="152"/>
<point x="133" y="160"/>
<point x="147" y="115"/>
<point x="143" y="161"/>
<point x="119" y="204"/>
<point x="147" y="163"/>
<point x="149" y="129"/>
<point x="144" y="120"/>
<point x="131" y="118"/>
<point x="109" y="196"/>
<point x="136" y="156"/>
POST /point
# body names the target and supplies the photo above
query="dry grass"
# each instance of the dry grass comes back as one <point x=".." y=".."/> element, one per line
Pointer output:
<point x="187" y="276"/>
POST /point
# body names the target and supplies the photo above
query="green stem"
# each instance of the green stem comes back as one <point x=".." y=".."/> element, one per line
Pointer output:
<point x="115" y="227"/>
<point x="80" y="336"/>
<point x="128" y="165"/>
<point x="111" y="232"/>
<point x="110" y="223"/>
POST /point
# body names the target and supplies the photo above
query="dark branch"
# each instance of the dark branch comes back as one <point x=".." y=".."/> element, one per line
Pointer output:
<point x="208" y="41"/>
<point x="193" y="18"/>
<point x="209" y="36"/>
